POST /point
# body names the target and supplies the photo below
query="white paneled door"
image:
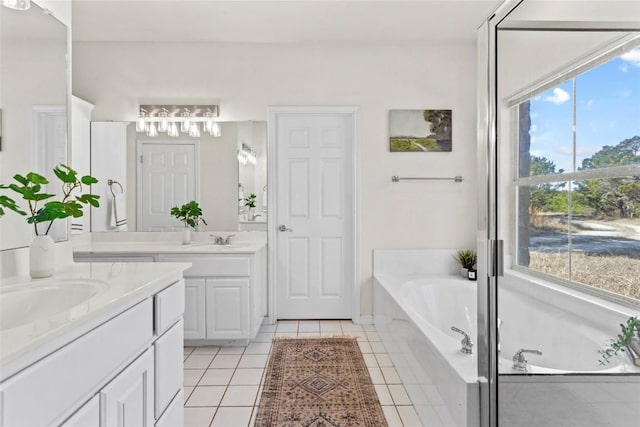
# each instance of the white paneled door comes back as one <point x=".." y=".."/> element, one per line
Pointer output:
<point x="167" y="177"/>
<point x="314" y="215"/>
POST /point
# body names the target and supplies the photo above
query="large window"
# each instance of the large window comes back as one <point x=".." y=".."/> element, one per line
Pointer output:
<point x="578" y="184"/>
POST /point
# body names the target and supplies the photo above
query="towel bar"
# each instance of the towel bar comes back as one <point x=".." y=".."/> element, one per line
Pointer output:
<point x="110" y="183"/>
<point x="396" y="178"/>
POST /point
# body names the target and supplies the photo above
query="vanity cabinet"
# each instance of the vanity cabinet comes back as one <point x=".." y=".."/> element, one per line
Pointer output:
<point x="125" y="371"/>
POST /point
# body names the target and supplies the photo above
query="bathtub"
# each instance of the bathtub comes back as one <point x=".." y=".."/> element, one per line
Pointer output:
<point x="415" y="307"/>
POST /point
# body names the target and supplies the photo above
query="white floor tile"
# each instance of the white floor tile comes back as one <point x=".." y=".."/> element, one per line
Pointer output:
<point x="370" y="360"/>
<point x="196" y="361"/>
<point x="390" y="375"/>
<point x="309" y="326"/>
<point x="187" y="350"/>
<point x="206" y="349"/>
<point x="253" y="361"/>
<point x="250" y="376"/>
<point x="231" y="350"/>
<point x="409" y="416"/>
<point x="399" y="394"/>
<point x="240" y="395"/>
<point x="252" y="423"/>
<point x="383" y="360"/>
<point x="376" y="375"/>
<point x="364" y="347"/>
<point x="372" y="336"/>
<point x="258" y="348"/>
<point x="267" y="328"/>
<point x="198" y="417"/>
<point x="187" y="392"/>
<point x="308" y="334"/>
<point x="330" y="333"/>
<point x="383" y="394"/>
<point x="290" y="334"/>
<point x="377" y="347"/>
<point x="330" y="325"/>
<point x="225" y="361"/>
<point x="263" y="337"/>
<point x="192" y="376"/>
<point x="217" y="377"/>
<point x="206" y="396"/>
<point x="393" y="419"/>
<point x="232" y="417"/>
<point x="287" y="327"/>
<point x="371" y="328"/>
<point x="360" y="335"/>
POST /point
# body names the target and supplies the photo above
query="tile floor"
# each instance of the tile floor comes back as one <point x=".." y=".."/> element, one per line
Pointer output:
<point x="222" y="385"/>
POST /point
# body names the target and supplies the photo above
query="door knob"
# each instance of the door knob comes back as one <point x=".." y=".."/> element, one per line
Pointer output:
<point x="284" y="228"/>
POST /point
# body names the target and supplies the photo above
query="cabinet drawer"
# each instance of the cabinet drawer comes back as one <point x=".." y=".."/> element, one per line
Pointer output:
<point x="79" y="368"/>
<point x="168" y="367"/>
<point x="219" y="265"/>
<point x="169" y="306"/>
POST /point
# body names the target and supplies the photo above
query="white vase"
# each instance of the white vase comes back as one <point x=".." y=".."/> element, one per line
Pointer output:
<point x="42" y="257"/>
<point x="464" y="272"/>
<point x="186" y="236"/>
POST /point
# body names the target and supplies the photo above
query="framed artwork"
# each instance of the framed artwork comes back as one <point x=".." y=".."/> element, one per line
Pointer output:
<point x="420" y="130"/>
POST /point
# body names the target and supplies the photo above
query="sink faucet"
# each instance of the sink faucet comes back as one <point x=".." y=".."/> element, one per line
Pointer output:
<point x="467" y="344"/>
<point x="252" y="217"/>
<point x="519" y="361"/>
<point x="219" y="240"/>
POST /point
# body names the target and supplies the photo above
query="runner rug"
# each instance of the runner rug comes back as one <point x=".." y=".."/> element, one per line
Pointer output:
<point x="318" y="382"/>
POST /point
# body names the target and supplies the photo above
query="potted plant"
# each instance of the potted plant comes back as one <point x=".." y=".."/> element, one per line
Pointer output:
<point x="250" y="203"/>
<point x="191" y="215"/>
<point x="467" y="259"/>
<point x="629" y="338"/>
<point x="29" y="186"/>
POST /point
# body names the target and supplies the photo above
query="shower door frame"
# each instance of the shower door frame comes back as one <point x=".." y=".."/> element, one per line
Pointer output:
<point x="490" y="255"/>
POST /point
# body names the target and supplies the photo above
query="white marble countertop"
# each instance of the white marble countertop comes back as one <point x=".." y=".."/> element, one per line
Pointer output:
<point x="38" y="316"/>
<point x="168" y="243"/>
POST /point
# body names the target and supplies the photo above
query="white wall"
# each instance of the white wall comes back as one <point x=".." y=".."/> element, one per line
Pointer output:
<point x="116" y="77"/>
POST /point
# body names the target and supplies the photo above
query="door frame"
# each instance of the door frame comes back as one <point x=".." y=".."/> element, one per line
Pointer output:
<point x="275" y="112"/>
<point x="196" y="168"/>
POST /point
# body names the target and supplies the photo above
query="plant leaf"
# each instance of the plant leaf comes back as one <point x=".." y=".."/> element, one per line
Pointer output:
<point x="88" y="180"/>
<point x="35" y="178"/>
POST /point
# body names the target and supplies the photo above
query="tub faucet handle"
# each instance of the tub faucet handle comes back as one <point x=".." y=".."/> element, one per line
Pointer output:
<point x="520" y="362"/>
<point x="467" y="344"/>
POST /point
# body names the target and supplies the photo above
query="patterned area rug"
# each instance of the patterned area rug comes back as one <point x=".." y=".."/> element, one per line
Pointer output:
<point x="318" y="382"/>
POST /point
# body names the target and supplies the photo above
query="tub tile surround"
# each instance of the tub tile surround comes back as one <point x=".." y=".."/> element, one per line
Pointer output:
<point x="230" y="395"/>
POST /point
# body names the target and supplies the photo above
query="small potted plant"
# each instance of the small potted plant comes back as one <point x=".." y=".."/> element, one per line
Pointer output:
<point x="250" y="203"/>
<point x="467" y="259"/>
<point x="29" y="186"/>
<point x="191" y="215"/>
<point x="629" y="338"/>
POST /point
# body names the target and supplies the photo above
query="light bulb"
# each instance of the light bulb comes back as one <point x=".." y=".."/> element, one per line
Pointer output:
<point x="163" y="126"/>
<point x="153" y="131"/>
<point x="141" y="124"/>
<point x="215" y="129"/>
<point x="186" y="122"/>
<point x="173" y="129"/>
<point x="194" y="130"/>
<point x="17" y="4"/>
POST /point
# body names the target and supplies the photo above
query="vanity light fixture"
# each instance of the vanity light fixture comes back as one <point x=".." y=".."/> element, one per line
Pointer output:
<point x="176" y="119"/>
<point x="16" y="4"/>
<point x="246" y="155"/>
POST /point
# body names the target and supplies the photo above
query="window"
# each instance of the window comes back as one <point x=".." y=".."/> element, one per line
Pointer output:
<point x="578" y="185"/>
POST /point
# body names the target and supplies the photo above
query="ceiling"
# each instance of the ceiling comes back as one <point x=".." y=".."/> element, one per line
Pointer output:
<point x="289" y="22"/>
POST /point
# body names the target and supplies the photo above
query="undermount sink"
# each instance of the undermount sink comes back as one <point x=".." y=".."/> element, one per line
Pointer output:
<point x="21" y="305"/>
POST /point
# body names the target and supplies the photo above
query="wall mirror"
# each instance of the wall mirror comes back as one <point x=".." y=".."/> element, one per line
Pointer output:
<point x="152" y="174"/>
<point x="33" y="103"/>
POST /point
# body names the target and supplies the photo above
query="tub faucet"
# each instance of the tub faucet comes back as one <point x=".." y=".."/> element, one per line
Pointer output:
<point x="467" y="344"/>
<point x="519" y="361"/>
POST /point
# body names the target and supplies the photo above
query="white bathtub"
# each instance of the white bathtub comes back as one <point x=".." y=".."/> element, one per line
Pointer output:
<point x="414" y="312"/>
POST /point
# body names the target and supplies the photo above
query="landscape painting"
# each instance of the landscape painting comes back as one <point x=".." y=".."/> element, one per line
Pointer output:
<point x="420" y="130"/>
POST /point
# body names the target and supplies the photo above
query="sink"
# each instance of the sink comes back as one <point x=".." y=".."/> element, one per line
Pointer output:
<point x="21" y="305"/>
<point x="211" y="245"/>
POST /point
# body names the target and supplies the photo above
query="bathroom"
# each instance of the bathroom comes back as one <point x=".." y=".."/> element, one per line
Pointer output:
<point x="246" y="71"/>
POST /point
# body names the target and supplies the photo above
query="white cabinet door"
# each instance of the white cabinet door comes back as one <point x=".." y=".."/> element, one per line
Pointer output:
<point x="194" y="309"/>
<point x="87" y="416"/>
<point x="127" y="401"/>
<point x="168" y="368"/>
<point x="228" y="308"/>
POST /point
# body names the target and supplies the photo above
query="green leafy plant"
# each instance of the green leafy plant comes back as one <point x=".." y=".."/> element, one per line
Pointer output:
<point x="29" y="187"/>
<point x="250" y="202"/>
<point x="466" y="258"/>
<point x="629" y="331"/>
<point x="189" y="213"/>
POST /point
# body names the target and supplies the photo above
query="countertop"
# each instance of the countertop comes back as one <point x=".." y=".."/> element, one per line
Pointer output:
<point x="198" y="247"/>
<point x="38" y="316"/>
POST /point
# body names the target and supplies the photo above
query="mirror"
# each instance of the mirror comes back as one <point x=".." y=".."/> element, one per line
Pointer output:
<point x="155" y="173"/>
<point x="33" y="105"/>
